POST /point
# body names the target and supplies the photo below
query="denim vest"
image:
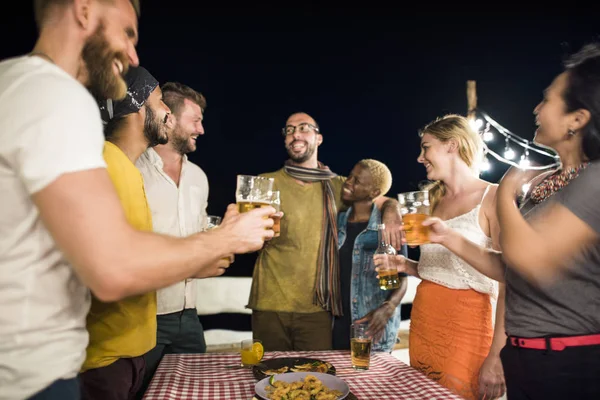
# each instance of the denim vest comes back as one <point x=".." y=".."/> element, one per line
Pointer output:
<point x="365" y="294"/>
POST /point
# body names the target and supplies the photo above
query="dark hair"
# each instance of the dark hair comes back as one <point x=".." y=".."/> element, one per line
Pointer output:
<point x="112" y="126"/>
<point x="42" y="7"/>
<point x="583" y="92"/>
<point x="174" y="94"/>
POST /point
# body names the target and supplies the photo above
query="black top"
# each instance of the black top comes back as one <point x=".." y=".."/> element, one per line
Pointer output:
<point x="341" y="325"/>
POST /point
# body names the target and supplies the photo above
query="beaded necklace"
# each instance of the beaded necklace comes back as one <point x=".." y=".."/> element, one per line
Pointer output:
<point x="555" y="183"/>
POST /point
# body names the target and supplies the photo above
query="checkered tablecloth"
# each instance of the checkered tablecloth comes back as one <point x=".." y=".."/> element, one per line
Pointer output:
<point x="206" y="376"/>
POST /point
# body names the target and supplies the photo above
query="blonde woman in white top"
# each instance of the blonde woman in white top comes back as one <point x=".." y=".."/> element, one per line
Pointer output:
<point x="452" y="336"/>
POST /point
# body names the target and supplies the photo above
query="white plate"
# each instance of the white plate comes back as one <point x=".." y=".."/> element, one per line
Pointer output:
<point x="330" y="381"/>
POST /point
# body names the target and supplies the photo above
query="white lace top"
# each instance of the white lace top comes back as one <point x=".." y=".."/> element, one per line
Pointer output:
<point x="438" y="264"/>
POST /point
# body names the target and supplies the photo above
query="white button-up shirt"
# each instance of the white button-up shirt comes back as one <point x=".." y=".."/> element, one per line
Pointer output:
<point x="177" y="211"/>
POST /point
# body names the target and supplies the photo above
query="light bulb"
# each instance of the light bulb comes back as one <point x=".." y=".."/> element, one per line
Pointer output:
<point x="488" y="136"/>
<point x="476" y="124"/>
<point x="485" y="165"/>
<point x="524" y="163"/>
<point x="509" y="153"/>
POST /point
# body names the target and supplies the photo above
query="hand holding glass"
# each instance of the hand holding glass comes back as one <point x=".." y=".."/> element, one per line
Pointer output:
<point x="414" y="207"/>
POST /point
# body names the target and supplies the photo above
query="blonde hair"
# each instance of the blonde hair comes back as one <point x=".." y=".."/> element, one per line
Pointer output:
<point x="470" y="147"/>
<point x="380" y="173"/>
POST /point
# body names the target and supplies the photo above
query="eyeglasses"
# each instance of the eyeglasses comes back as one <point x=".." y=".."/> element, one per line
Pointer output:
<point x="302" y="128"/>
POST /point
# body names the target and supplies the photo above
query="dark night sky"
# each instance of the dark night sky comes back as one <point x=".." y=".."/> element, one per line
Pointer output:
<point x="370" y="81"/>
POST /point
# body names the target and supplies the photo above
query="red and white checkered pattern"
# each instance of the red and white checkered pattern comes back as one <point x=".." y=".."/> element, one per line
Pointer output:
<point x="205" y="376"/>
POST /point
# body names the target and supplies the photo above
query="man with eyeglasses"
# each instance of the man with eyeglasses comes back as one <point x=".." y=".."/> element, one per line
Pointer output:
<point x="295" y="286"/>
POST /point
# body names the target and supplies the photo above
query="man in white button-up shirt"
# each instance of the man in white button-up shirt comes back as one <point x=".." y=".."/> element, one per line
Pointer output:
<point x="177" y="192"/>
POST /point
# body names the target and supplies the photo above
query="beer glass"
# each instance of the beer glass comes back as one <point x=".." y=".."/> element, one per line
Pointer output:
<point x="360" y="346"/>
<point x="276" y="204"/>
<point x="253" y="192"/>
<point x="414" y="207"/>
<point x="212" y="221"/>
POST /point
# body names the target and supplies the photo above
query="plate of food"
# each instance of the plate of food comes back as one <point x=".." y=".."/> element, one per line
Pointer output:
<point x="285" y="365"/>
<point x="302" y="385"/>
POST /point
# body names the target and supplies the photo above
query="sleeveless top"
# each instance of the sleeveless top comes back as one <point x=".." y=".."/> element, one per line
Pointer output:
<point x="439" y="265"/>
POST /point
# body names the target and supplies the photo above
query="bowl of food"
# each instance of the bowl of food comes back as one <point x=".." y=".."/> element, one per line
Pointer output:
<point x="302" y="385"/>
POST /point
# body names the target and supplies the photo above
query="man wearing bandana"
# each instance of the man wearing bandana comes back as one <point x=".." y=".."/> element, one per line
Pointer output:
<point x="122" y="332"/>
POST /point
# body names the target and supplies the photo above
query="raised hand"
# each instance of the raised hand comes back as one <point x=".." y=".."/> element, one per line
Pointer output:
<point x="248" y="231"/>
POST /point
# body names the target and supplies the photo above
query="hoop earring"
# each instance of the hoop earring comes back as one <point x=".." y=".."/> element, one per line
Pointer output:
<point x="571" y="132"/>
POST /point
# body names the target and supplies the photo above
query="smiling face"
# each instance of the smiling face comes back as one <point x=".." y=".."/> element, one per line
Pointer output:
<point x="359" y="186"/>
<point x="158" y="121"/>
<point x="188" y="126"/>
<point x="435" y="156"/>
<point x="302" y="147"/>
<point x="108" y="52"/>
<point x="551" y="119"/>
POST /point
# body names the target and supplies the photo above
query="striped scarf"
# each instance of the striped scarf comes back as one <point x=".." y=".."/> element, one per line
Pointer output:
<point x="327" y="288"/>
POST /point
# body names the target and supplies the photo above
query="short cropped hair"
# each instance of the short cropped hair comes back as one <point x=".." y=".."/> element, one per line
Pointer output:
<point x="380" y="173"/>
<point x="174" y="94"/>
<point x="42" y="7"/>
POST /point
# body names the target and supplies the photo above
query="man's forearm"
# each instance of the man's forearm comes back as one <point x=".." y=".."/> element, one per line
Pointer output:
<point x="144" y="261"/>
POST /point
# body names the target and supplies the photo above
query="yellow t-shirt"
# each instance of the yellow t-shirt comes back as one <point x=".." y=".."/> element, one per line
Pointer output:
<point x="286" y="269"/>
<point x="126" y="328"/>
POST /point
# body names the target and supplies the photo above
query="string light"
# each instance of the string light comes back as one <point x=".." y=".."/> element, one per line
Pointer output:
<point x="509" y="154"/>
<point x="524" y="163"/>
<point x="476" y="124"/>
<point x="488" y="136"/>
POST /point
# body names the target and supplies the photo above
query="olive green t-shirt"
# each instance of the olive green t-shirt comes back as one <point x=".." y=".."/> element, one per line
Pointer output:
<point x="285" y="271"/>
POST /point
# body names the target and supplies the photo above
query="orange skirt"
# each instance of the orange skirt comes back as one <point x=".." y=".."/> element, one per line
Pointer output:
<point x="450" y="336"/>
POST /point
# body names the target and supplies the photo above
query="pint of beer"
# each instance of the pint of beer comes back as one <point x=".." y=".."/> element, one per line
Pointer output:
<point x="253" y="192"/>
<point x="360" y="346"/>
<point x="414" y="207"/>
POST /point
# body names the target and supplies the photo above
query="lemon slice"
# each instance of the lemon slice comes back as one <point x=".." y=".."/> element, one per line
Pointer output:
<point x="258" y="350"/>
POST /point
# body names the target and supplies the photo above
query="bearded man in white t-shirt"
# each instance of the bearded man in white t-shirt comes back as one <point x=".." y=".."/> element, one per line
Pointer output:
<point x="62" y="227"/>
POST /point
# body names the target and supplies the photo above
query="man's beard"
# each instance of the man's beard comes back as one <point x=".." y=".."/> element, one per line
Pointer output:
<point x="180" y="141"/>
<point x="155" y="130"/>
<point x="99" y="60"/>
<point x="299" y="159"/>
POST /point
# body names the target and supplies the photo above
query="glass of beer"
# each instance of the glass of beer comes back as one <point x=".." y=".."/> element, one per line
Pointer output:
<point x="360" y="346"/>
<point x="276" y="203"/>
<point x="414" y="207"/>
<point x="253" y="192"/>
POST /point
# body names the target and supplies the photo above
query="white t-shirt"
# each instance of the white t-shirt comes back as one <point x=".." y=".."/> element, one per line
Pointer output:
<point x="177" y="211"/>
<point x="49" y="125"/>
